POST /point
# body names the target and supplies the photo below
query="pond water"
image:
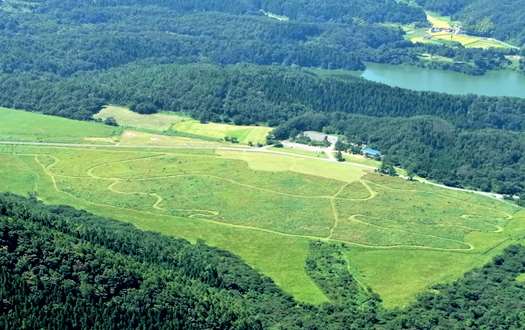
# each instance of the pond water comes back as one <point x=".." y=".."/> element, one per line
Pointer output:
<point x="493" y="83"/>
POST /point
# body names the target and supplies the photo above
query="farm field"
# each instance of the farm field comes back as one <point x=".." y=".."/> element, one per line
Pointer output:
<point x="400" y="237"/>
<point x="176" y="123"/>
<point x="422" y="35"/>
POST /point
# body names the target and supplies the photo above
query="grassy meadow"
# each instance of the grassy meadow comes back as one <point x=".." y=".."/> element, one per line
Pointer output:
<point x="16" y="125"/>
<point x="177" y="123"/>
<point x="400" y="237"/>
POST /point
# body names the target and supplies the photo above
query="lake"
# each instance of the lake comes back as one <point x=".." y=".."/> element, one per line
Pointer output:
<point x="493" y="83"/>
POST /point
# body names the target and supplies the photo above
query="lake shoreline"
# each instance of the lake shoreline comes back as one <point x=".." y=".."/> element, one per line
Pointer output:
<point x="507" y="83"/>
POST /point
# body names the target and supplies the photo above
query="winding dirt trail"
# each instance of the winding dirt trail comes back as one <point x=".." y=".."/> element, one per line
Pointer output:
<point x="47" y="169"/>
<point x="243" y="149"/>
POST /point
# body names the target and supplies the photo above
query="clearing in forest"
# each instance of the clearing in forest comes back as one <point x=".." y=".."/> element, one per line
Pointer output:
<point x="174" y="123"/>
<point x="400" y="237"/>
<point x="444" y="30"/>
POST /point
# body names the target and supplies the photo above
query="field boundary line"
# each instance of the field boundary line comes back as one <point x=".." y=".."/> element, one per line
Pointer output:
<point x="380" y="247"/>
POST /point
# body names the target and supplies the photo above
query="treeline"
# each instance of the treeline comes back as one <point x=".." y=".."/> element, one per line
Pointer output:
<point x="500" y="19"/>
<point x="247" y="94"/>
<point x="68" y="269"/>
<point x="304" y="10"/>
<point x="98" y="36"/>
<point x="486" y="159"/>
<point x="486" y="298"/>
<point x="445" y="7"/>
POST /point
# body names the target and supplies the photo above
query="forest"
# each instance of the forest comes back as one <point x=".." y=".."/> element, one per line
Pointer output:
<point x="327" y="34"/>
<point x="63" y="268"/>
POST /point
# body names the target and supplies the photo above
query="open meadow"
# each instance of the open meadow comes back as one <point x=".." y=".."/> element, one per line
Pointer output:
<point x="399" y="237"/>
<point x="177" y="123"/>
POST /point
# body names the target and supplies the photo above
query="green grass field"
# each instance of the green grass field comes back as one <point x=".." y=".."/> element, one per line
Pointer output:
<point x="293" y="151"/>
<point x="400" y="236"/>
<point x="170" y="122"/>
<point x="26" y="126"/>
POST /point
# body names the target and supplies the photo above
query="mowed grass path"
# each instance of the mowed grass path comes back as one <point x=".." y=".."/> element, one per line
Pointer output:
<point x="171" y="122"/>
<point x="401" y="236"/>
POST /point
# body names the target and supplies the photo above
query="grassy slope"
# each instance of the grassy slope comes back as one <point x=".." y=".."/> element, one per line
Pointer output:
<point x="264" y="209"/>
<point x="174" y="122"/>
<point x="26" y="126"/>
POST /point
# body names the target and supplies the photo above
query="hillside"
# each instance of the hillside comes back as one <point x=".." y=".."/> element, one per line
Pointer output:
<point x="83" y="271"/>
<point x="226" y="164"/>
<point x="201" y="190"/>
<point x="500" y="19"/>
<point x="327" y="34"/>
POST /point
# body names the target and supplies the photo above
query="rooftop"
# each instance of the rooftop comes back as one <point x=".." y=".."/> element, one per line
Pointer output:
<point x="318" y="136"/>
<point x="372" y="152"/>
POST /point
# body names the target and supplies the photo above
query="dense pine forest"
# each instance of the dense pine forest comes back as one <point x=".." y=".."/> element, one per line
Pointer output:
<point x="328" y="34"/>
<point x="63" y="268"/>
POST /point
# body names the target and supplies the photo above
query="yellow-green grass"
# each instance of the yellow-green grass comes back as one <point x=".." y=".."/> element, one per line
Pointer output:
<point x="140" y="138"/>
<point x="282" y="163"/>
<point x="399" y="275"/>
<point x="156" y="122"/>
<point x="438" y="21"/>
<point x="402" y="236"/>
<point x="300" y="152"/>
<point x="171" y="122"/>
<point x="521" y="278"/>
<point x="359" y="159"/>
<point x="245" y="134"/>
<point x="469" y="41"/>
<point x="17" y="125"/>
<point x="282" y="257"/>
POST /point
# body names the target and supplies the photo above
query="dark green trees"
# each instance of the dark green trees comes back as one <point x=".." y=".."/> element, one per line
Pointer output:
<point x="387" y="168"/>
<point x="68" y="269"/>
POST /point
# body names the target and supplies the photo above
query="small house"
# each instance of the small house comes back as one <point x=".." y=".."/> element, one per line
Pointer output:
<point x="371" y="153"/>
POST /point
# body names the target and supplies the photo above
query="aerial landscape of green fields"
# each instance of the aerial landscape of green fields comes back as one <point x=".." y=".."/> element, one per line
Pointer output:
<point x="229" y="165"/>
